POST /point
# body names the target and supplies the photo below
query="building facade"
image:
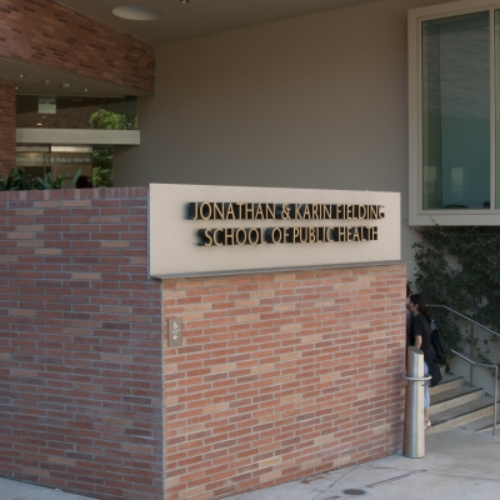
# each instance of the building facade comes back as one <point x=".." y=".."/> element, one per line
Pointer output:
<point x="283" y="373"/>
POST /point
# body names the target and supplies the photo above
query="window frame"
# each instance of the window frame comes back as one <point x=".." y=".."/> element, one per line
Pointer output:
<point x="446" y="217"/>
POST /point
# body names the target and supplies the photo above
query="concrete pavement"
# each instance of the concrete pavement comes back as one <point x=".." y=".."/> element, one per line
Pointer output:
<point x="15" y="490"/>
<point x="458" y="464"/>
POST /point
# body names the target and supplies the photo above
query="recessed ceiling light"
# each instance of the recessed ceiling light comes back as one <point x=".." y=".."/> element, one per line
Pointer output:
<point x="65" y="85"/>
<point x="21" y="76"/>
<point x="137" y="12"/>
<point x="85" y="90"/>
<point x="184" y="1"/>
<point x="39" y="124"/>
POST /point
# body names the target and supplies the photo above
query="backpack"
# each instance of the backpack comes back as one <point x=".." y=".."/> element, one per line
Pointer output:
<point x="438" y="342"/>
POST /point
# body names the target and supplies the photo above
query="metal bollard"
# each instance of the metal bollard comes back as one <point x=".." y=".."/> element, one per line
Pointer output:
<point x="414" y="431"/>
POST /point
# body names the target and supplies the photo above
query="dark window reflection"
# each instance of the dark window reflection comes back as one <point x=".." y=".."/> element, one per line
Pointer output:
<point x="76" y="112"/>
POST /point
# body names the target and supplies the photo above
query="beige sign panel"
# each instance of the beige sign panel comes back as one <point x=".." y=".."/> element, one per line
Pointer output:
<point x="210" y="230"/>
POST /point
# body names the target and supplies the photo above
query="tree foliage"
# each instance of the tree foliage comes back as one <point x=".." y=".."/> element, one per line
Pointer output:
<point x="102" y="168"/>
<point x="108" y="120"/>
<point x="102" y="159"/>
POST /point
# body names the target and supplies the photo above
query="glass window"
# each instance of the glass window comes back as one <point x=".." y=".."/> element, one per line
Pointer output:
<point x="456" y="112"/>
<point x="497" y="108"/>
<point x="76" y="112"/>
<point x="94" y="163"/>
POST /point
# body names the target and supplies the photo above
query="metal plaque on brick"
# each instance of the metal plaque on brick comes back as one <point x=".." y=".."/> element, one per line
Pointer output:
<point x="211" y="230"/>
<point x="174" y="332"/>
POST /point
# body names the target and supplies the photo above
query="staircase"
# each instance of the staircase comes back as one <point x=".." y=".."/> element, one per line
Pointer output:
<point x="456" y="403"/>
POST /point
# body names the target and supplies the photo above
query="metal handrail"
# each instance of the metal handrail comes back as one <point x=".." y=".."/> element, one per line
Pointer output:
<point x="474" y="363"/>
<point x="495" y="396"/>
<point x="416" y="379"/>
<point x="468" y="319"/>
<point x="471" y="334"/>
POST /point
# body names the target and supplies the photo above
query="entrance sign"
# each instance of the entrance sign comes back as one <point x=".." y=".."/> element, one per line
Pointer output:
<point x="209" y="230"/>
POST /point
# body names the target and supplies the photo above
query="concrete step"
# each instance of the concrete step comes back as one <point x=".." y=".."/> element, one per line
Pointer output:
<point x="448" y="382"/>
<point x="454" y="398"/>
<point x="485" y="424"/>
<point x="461" y="415"/>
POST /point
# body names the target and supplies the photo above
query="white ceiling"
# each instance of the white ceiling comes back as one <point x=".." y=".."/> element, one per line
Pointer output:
<point x="201" y="17"/>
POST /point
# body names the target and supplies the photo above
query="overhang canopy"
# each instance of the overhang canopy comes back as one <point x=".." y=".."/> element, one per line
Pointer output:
<point x="193" y="18"/>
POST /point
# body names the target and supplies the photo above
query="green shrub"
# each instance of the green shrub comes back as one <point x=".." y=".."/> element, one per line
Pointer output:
<point x="108" y="120"/>
<point x="17" y="180"/>
<point x="459" y="267"/>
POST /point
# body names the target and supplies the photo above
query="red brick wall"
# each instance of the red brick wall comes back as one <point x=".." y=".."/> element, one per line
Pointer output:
<point x="80" y="344"/>
<point x="281" y="376"/>
<point x="46" y="33"/>
<point x="7" y="127"/>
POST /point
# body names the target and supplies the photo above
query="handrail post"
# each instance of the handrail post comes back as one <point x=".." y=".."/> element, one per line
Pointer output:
<point x="414" y="438"/>
<point x="471" y="354"/>
<point x="495" y="398"/>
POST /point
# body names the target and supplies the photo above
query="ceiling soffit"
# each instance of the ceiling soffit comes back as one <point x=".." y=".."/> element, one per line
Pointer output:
<point x="196" y="18"/>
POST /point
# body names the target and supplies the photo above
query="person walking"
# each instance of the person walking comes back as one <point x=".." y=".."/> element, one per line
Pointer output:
<point x="408" y="316"/>
<point x="420" y="337"/>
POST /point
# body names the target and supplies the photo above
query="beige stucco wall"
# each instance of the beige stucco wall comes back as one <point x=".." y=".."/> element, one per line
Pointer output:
<point x="315" y="102"/>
